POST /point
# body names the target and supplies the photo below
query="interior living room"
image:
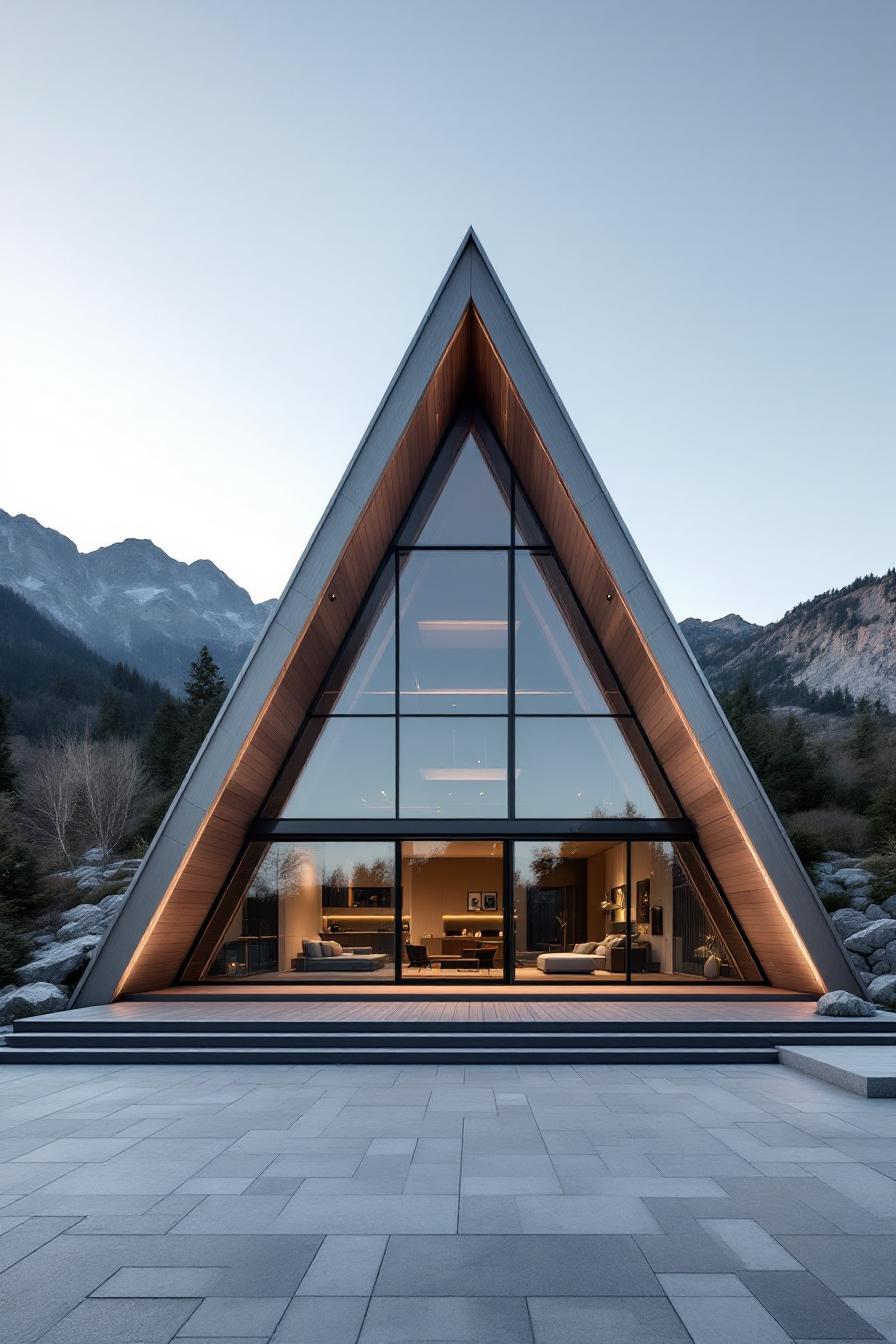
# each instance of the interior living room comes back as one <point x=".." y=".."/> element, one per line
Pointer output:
<point x="326" y="912"/>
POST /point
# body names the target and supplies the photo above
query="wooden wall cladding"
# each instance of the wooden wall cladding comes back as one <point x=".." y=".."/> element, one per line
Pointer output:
<point x="219" y="838"/>
<point x="737" y="867"/>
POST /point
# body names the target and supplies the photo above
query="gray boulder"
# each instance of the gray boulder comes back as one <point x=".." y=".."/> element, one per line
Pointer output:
<point x="858" y="961"/>
<point x="848" y="921"/>
<point x="839" y="1003"/>
<point x="111" y="904"/>
<point x="854" y="877"/>
<point x="872" y="937"/>
<point x="873" y="911"/>
<point x="90" y="880"/>
<point x="822" y="869"/>
<point x="81" y="920"/>
<point x="882" y="991"/>
<point x="58" y="962"/>
<point x="30" y="1001"/>
<point x="859" y="902"/>
<point x="889" y="905"/>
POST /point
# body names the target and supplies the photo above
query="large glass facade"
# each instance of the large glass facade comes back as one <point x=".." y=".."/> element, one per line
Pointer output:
<point x="471" y="696"/>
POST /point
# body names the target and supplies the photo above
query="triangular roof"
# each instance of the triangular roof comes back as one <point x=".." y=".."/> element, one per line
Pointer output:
<point x="470" y="339"/>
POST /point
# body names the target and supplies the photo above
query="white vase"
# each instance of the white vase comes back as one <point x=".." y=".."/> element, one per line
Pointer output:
<point x="711" y="967"/>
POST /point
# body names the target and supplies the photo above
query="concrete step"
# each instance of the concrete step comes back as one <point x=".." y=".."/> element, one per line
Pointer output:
<point x="866" y="1070"/>
<point x="419" y="1054"/>
<point x="73" y="1024"/>
<point x="261" y="1039"/>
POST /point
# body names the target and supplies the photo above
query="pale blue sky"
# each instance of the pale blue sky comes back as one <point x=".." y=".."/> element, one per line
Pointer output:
<point x="222" y="222"/>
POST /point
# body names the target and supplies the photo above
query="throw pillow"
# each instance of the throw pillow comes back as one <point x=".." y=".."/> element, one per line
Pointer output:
<point x="326" y="949"/>
<point x="311" y="948"/>
<point x="336" y="948"/>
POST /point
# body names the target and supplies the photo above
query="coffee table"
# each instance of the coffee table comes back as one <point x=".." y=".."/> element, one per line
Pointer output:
<point x="456" y="963"/>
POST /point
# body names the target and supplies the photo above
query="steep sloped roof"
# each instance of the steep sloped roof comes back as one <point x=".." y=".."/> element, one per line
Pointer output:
<point x="469" y="343"/>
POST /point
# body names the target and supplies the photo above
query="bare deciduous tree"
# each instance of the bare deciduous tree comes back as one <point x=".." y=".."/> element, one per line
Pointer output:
<point x="82" y="793"/>
<point x="52" y="797"/>
<point x="111" y="780"/>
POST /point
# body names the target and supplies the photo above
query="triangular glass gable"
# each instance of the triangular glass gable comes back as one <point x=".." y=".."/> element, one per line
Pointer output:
<point x="460" y="607"/>
<point x="559" y="667"/>
<point x="465" y="501"/>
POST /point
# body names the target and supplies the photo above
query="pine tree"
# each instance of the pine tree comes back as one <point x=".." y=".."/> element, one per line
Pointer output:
<point x="205" y="685"/>
<point x="9" y="775"/>
<point x="162" y="746"/>
<point x="864" y="738"/>
<point x="205" y="690"/>
<point x="113" y="719"/>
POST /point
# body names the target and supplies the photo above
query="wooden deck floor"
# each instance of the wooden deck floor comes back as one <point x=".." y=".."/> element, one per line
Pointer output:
<point x="175" y="1009"/>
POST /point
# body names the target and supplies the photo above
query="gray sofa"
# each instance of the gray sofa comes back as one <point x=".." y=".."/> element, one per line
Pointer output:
<point x="327" y="955"/>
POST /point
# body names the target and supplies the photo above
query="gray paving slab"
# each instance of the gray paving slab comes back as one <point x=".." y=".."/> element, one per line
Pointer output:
<point x="879" y="1312"/>
<point x="736" y="1320"/>
<point x="169" y="1281"/>
<point x="625" y="1320"/>
<point x="224" y="1317"/>
<point x="509" y="1266"/>
<point x="749" y="1243"/>
<point x="447" y="1320"/>
<point x="802" y="1305"/>
<point x="345" y="1266"/>
<point x="332" y="1320"/>
<point x="850" y="1265"/>
<point x="122" y="1321"/>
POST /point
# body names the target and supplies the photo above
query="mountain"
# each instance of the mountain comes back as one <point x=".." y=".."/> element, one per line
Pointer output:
<point x="54" y="680"/>
<point x="130" y="601"/>
<point x="825" y="653"/>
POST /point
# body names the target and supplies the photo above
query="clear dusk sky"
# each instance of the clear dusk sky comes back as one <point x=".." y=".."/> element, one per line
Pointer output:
<point x="222" y="221"/>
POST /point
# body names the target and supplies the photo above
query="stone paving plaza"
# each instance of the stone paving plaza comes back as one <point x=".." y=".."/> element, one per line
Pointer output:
<point x="557" y="1205"/>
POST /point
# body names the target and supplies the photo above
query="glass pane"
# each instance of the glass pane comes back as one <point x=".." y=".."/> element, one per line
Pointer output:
<point x="452" y="894"/>
<point x="557" y="659"/>
<point x="363" y="680"/>
<point x="453" y="635"/>
<point x="464" y="502"/>
<point x="682" y="928"/>
<point x="345" y="768"/>
<point x="305" y="895"/>
<point x="569" y="910"/>
<point x="578" y="768"/>
<point x="453" y="767"/>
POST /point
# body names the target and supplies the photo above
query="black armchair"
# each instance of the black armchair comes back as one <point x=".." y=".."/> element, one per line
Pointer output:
<point x="417" y="955"/>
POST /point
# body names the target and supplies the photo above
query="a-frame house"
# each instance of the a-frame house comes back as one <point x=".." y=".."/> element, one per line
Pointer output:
<point x="471" y="743"/>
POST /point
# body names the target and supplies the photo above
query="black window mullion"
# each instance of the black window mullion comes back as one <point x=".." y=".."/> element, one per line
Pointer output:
<point x="511" y="684"/>
<point x="397" y="683"/>
<point x="398" y="904"/>
<point x="628" y="912"/>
